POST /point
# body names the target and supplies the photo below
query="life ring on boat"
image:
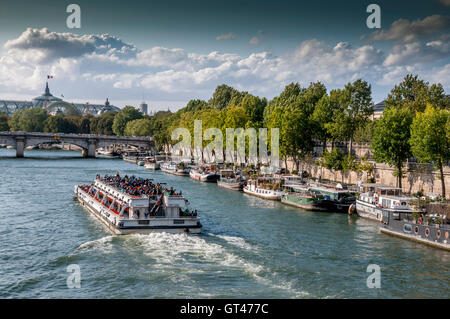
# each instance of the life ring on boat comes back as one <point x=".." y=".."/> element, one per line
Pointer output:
<point x="416" y="230"/>
<point x="351" y="209"/>
<point x="446" y="235"/>
<point x="427" y="232"/>
<point x="438" y="233"/>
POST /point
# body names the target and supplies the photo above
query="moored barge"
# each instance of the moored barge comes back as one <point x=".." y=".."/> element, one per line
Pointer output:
<point x="175" y="168"/>
<point x="303" y="197"/>
<point x="377" y="197"/>
<point x="403" y="224"/>
<point x="264" y="187"/>
<point x="229" y="179"/>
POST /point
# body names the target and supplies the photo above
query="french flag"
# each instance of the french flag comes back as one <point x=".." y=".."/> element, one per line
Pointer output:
<point x="49" y="76"/>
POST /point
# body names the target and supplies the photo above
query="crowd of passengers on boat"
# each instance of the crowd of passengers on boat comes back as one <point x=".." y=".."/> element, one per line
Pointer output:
<point x="137" y="186"/>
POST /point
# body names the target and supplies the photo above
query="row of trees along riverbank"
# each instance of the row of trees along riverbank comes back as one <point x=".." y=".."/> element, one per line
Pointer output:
<point x="415" y="122"/>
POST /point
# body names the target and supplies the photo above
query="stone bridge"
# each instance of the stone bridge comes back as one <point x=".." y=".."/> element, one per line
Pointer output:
<point x="88" y="142"/>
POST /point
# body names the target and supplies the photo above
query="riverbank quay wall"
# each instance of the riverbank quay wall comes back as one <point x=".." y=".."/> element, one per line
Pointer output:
<point x="417" y="176"/>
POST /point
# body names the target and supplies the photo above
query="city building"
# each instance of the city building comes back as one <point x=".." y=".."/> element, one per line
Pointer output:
<point x="143" y="108"/>
<point x="55" y="105"/>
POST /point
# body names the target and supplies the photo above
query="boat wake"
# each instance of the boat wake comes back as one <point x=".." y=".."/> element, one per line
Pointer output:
<point x="196" y="254"/>
<point x="104" y="244"/>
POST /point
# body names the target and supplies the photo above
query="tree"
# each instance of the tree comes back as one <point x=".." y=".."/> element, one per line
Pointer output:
<point x="85" y="124"/>
<point x="296" y="134"/>
<point x="337" y="161"/>
<point x="415" y="93"/>
<point x="140" y="127"/>
<point x="254" y="108"/>
<point x="430" y="138"/>
<point x="60" y="124"/>
<point x="391" y="139"/>
<point x="322" y="117"/>
<point x="32" y="119"/>
<point x="14" y="123"/>
<point x="195" y="105"/>
<point x="309" y="97"/>
<point x="103" y="124"/>
<point x="225" y="95"/>
<point x="354" y="110"/>
<point x="4" y="126"/>
<point x="286" y="98"/>
<point x="127" y="114"/>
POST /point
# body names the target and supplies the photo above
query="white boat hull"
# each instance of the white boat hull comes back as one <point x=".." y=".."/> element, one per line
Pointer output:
<point x="260" y="193"/>
<point x="168" y="225"/>
<point x="369" y="211"/>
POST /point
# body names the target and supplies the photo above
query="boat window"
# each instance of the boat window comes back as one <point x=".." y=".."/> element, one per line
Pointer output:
<point x="407" y="228"/>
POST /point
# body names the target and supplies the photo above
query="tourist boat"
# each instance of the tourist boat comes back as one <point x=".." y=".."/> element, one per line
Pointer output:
<point x="151" y="163"/>
<point x="264" y="187"/>
<point x="338" y="198"/>
<point x="376" y="197"/>
<point x="126" y="214"/>
<point x="402" y="223"/>
<point x="175" y="168"/>
<point x="203" y="175"/>
<point x="229" y="179"/>
<point x="302" y="196"/>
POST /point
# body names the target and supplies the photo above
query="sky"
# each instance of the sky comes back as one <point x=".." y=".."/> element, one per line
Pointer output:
<point x="169" y="52"/>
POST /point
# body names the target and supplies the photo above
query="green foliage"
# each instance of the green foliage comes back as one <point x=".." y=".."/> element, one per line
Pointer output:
<point x="354" y="107"/>
<point x="364" y="134"/>
<point x="195" y="105"/>
<point x="225" y="95"/>
<point x="127" y="114"/>
<point x="14" y="122"/>
<point x="140" y="127"/>
<point x="103" y="124"/>
<point x="391" y="138"/>
<point x="430" y="139"/>
<point x="29" y="120"/>
<point x="333" y="160"/>
<point x="322" y="117"/>
<point x="60" y="124"/>
<point x="364" y="165"/>
<point x="84" y="126"/>
<point x="287" y="98"/>
<point x="4" y="119"/>
<point x="414" y="94"/>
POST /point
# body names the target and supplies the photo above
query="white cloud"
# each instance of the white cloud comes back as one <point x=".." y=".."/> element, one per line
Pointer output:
<point x="104" y="65"/>
<point x="407" y="31"/>
<point x="416" y="52"/>
<point x="43" y="46"/>
<point x="254" y="41"/>
<point x="227" y="36"/>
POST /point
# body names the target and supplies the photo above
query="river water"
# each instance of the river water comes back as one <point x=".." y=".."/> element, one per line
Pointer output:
<point x="249" y="248"/>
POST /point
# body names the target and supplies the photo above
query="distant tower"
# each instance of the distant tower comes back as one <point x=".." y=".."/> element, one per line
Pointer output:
<point x="143" y="108"/>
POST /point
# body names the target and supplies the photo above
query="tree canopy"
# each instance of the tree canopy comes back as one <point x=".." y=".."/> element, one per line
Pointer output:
<point x="127" y="114"/>
<point x="391" y="138"/>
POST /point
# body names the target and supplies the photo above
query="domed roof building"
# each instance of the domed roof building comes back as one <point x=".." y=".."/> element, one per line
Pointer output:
<point x="45" y="99"/>
<point x="62" y="107"/>
<point x="106" y="108"/>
